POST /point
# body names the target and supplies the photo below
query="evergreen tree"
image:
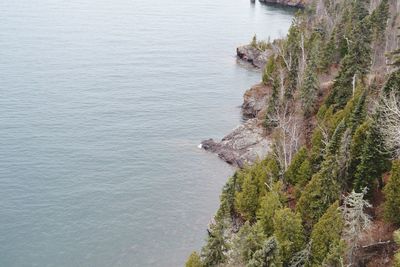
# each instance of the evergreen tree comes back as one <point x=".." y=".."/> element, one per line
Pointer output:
<point x="248" y="240"/>
<point x="328" y="53"/>
<point x="379" y="19"/>
<point x="273" y="102"/>
<point x="358" y="113"/>
<point x="267" y="256"/>
<point x="227" y="199"/>
<point x="373" y="161"/>
<point x="397" y="256"/>
<point x="292" y="173"/>
<point x="270" y="203"/>
<point x="214" y="252"/>
<point x="194" y="260"/>
<point x="356" y="149"/>
<point x="246" y="201"/>
<point x="289" y="233"/>
<point x="357" y="61"/>
<point x="326" y="235"/>
<point x="310" y="85"/>
<point x="392" y="195"/>
<point x="317" y="150"/>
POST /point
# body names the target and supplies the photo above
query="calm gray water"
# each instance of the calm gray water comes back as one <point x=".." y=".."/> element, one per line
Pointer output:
<point x="102" y="106"/>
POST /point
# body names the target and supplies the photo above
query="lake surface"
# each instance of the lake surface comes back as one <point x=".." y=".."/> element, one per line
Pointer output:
<point x="102" y="106"/>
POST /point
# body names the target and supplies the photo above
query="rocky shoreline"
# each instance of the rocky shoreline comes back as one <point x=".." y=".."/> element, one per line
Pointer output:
<point x="248" y="142"/>
<point x="291" y="3"/>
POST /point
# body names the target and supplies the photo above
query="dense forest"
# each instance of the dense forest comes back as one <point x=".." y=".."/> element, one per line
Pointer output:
<point x="328" y="194"/>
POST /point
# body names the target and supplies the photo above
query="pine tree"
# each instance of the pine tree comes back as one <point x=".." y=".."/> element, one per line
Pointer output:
<point x="326" y="234"/>
<point x="214" y="252"/>
<point x="194" y="260"/>
<point x="289" y="233"/>
<point x="392" y="195"/>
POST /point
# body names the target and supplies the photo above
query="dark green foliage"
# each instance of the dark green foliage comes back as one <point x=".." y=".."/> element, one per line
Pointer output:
<point x="310" y="86"/>
<point x="292" y="47"/>
<point x="358" y="114"/>
<point x="269" y="75"/>
<point x="392" y="195"/>
<point x="273" y="102"/>
<point x="292" y="172"/>
<point x="289" y="233"/>
<point x="227" y="199"/>
<point x="317" y="150"/>
<point x="326" y="234"/>
<point x="194" y="260"/>
<point x="357" y="61"/>
<point x="356" y="149"/>
<point x="248" y="240"/>
<point x="328" y="54"/>
<point x="373" y="161"/>
<point x="247" y="199"/>
<point x="267" y="256"/>
<point x="269" y="204"/>
<point x="213" y="253"/>
<point x="379" y="19"/>
<point x="392" y="84"/>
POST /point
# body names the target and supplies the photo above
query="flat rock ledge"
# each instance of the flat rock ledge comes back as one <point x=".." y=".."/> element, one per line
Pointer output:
<point x="291" y="3"/>
<point x="244" y="145"/>
<point x="252" y="55"/>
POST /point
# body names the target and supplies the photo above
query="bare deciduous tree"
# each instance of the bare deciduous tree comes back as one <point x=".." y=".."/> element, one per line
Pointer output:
<point x="355" y="219"/>
<point x="287" y="134"/>
<point x="390" y="129"/>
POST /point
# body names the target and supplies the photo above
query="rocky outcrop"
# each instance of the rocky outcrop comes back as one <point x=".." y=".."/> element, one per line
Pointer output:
<point x="291" y="3"/>
<point x="253" y="55"/>
<point x="255" y="101"/>
<point x="245" y="144"/>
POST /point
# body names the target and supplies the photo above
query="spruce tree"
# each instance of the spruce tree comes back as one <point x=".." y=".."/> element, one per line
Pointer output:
<point x="392" y="195"/>
<point x="356" y="149"/>
<point x="326" y="235"/>
<point x="357" y="61"/>
<point x="373" y="161"/>
<point x="289" y="233"/>
<point x="310" y="85"/>
<point x="379" y="19"/>
<point x="214" y="252"/>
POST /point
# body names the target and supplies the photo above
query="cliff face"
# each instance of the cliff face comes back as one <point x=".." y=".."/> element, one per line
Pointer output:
<point x="292" y="3"/>
<point x="313" y="123"/>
